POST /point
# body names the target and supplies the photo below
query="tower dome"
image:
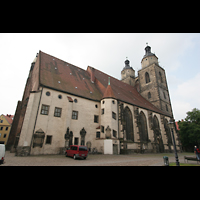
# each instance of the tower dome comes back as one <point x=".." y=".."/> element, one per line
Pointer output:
<point x="127" y="66"/>
<point x="149" y="57"/>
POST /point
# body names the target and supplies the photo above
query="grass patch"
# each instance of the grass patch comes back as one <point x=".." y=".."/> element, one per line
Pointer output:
<point x="183" y="164"/>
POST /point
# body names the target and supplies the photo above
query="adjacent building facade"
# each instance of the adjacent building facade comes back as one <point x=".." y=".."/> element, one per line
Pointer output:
<point x="64" y="105"/>
<point x="5" y="126"/>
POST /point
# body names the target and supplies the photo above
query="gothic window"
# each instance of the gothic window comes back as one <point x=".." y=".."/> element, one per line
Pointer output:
<point x="128" y="124"/>
<point x="147" y="78"/>
<point x="168" y="133"/>
<point x="157" y="135"/>
<point x="143" y="128"/>
<point x="160" y="75"/>
<point x="149" y="95"/>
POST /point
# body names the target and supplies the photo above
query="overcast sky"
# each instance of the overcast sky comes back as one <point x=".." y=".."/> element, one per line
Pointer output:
<point x="178" y="54"/>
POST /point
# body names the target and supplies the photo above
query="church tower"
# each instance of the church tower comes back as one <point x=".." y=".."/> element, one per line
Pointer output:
<point x="153" y="82"/>
<point x="128" y="74"/>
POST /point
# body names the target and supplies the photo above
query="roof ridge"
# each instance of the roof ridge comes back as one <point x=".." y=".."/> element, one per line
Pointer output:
<point x="62" y="60"/>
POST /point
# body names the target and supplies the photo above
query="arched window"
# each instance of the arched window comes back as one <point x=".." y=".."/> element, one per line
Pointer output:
<point x="168" y="133"/>
<point x="149" y="95"/>
<point x="147" y="78"/>
<point x="157" y="135"/>
<point x="160" y="75"/>
<point x="143" y="128"/>
<point x="128" y="124"/>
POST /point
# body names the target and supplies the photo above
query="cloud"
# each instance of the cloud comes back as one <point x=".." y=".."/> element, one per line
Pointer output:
<point x="104" y="51"/>
<point x="186" y="97"/>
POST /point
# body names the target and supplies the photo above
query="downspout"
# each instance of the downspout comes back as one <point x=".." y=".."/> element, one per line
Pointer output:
<point x="35" y="121"/>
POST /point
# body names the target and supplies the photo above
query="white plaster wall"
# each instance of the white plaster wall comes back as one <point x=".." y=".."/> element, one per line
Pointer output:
<point x="108" y="146"/>
<point x="29" y="120"/>
<point x="57" y="126"/>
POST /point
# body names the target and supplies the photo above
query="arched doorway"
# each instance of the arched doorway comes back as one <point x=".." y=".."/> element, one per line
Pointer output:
<point x="157" y="135"/>
<point x="143" y="131"/>
<point x="128" y="124"/>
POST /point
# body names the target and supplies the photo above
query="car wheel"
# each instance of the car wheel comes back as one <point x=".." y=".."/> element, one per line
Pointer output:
<point x="74" y="157"/>
<point x="85" y="158"/>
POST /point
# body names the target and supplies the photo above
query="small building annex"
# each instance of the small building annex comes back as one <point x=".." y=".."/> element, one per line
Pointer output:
<point x="63" y="105"/>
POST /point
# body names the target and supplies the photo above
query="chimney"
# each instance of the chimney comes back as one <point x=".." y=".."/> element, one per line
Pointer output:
<point x="91" y="72"/>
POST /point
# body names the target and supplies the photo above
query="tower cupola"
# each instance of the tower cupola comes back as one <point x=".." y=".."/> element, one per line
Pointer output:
<point x="149" y="57"/>
<point x="127" y="66"/>
<point x="128" y="73"/>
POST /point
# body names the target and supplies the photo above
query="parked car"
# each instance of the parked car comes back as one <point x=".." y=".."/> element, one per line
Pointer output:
<point x="77" y="151"/>
<point x="2" y="153"/>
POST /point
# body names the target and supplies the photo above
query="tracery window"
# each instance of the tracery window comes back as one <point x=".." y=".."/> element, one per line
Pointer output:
<point x="143" y="128"/>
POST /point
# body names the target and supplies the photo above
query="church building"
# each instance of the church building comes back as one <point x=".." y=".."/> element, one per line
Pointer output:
<point x="65" y="105"/>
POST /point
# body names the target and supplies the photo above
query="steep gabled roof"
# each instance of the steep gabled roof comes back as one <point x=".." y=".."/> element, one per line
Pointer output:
<point x="108" y="93"/>
<point x="90" y="83"/>
<point x="9" y="118"/>
<point x="63" y="76"/>
<point x="125" y="92"/>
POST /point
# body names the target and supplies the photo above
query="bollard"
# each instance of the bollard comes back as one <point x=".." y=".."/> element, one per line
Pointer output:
<point x="166" y="161"/>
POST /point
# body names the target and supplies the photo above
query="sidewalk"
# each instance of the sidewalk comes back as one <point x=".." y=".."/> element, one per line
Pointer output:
<point x="93" y="160"/>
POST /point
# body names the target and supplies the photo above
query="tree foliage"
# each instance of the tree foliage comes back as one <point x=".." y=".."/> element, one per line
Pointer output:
<point x="190" y="130"/>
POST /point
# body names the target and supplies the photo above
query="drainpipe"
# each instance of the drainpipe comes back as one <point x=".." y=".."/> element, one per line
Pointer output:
<point x="35" y="121"/>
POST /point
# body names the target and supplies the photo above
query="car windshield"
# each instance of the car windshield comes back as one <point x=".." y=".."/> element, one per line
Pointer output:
<point x="82" y="148"/>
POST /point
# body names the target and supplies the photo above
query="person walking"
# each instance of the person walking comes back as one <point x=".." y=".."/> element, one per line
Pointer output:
<point x="197" y="152"/>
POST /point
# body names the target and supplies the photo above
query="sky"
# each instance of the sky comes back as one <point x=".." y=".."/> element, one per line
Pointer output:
<point x="178" y="54"/>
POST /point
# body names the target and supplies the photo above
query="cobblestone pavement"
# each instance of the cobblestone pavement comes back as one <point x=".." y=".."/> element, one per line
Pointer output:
<point x="92" y="160"/>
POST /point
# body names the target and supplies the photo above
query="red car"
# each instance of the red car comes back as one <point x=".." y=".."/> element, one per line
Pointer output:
<point x="77" y="151"/>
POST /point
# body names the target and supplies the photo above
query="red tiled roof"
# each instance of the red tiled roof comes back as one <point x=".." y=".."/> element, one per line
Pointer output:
<point x="125" y="92"/>
<point x="63" y="76"/>
<point x="91" y="83"/>
<point x="108" y="93"/>
<point x="177" y="126"/>
<point x="9" y="118"/>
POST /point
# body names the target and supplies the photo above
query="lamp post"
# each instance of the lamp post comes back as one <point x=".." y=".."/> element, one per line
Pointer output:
<point x="171" y="125"/>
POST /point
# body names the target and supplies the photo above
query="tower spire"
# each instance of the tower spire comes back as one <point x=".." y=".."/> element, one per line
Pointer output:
<point x="108" y="80"/>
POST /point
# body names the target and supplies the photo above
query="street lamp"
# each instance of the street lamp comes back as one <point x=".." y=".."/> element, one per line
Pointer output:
<point x="171" y="126"/>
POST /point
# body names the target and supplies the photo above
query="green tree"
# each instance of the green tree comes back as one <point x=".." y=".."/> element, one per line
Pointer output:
<point x="190" y="130"/>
